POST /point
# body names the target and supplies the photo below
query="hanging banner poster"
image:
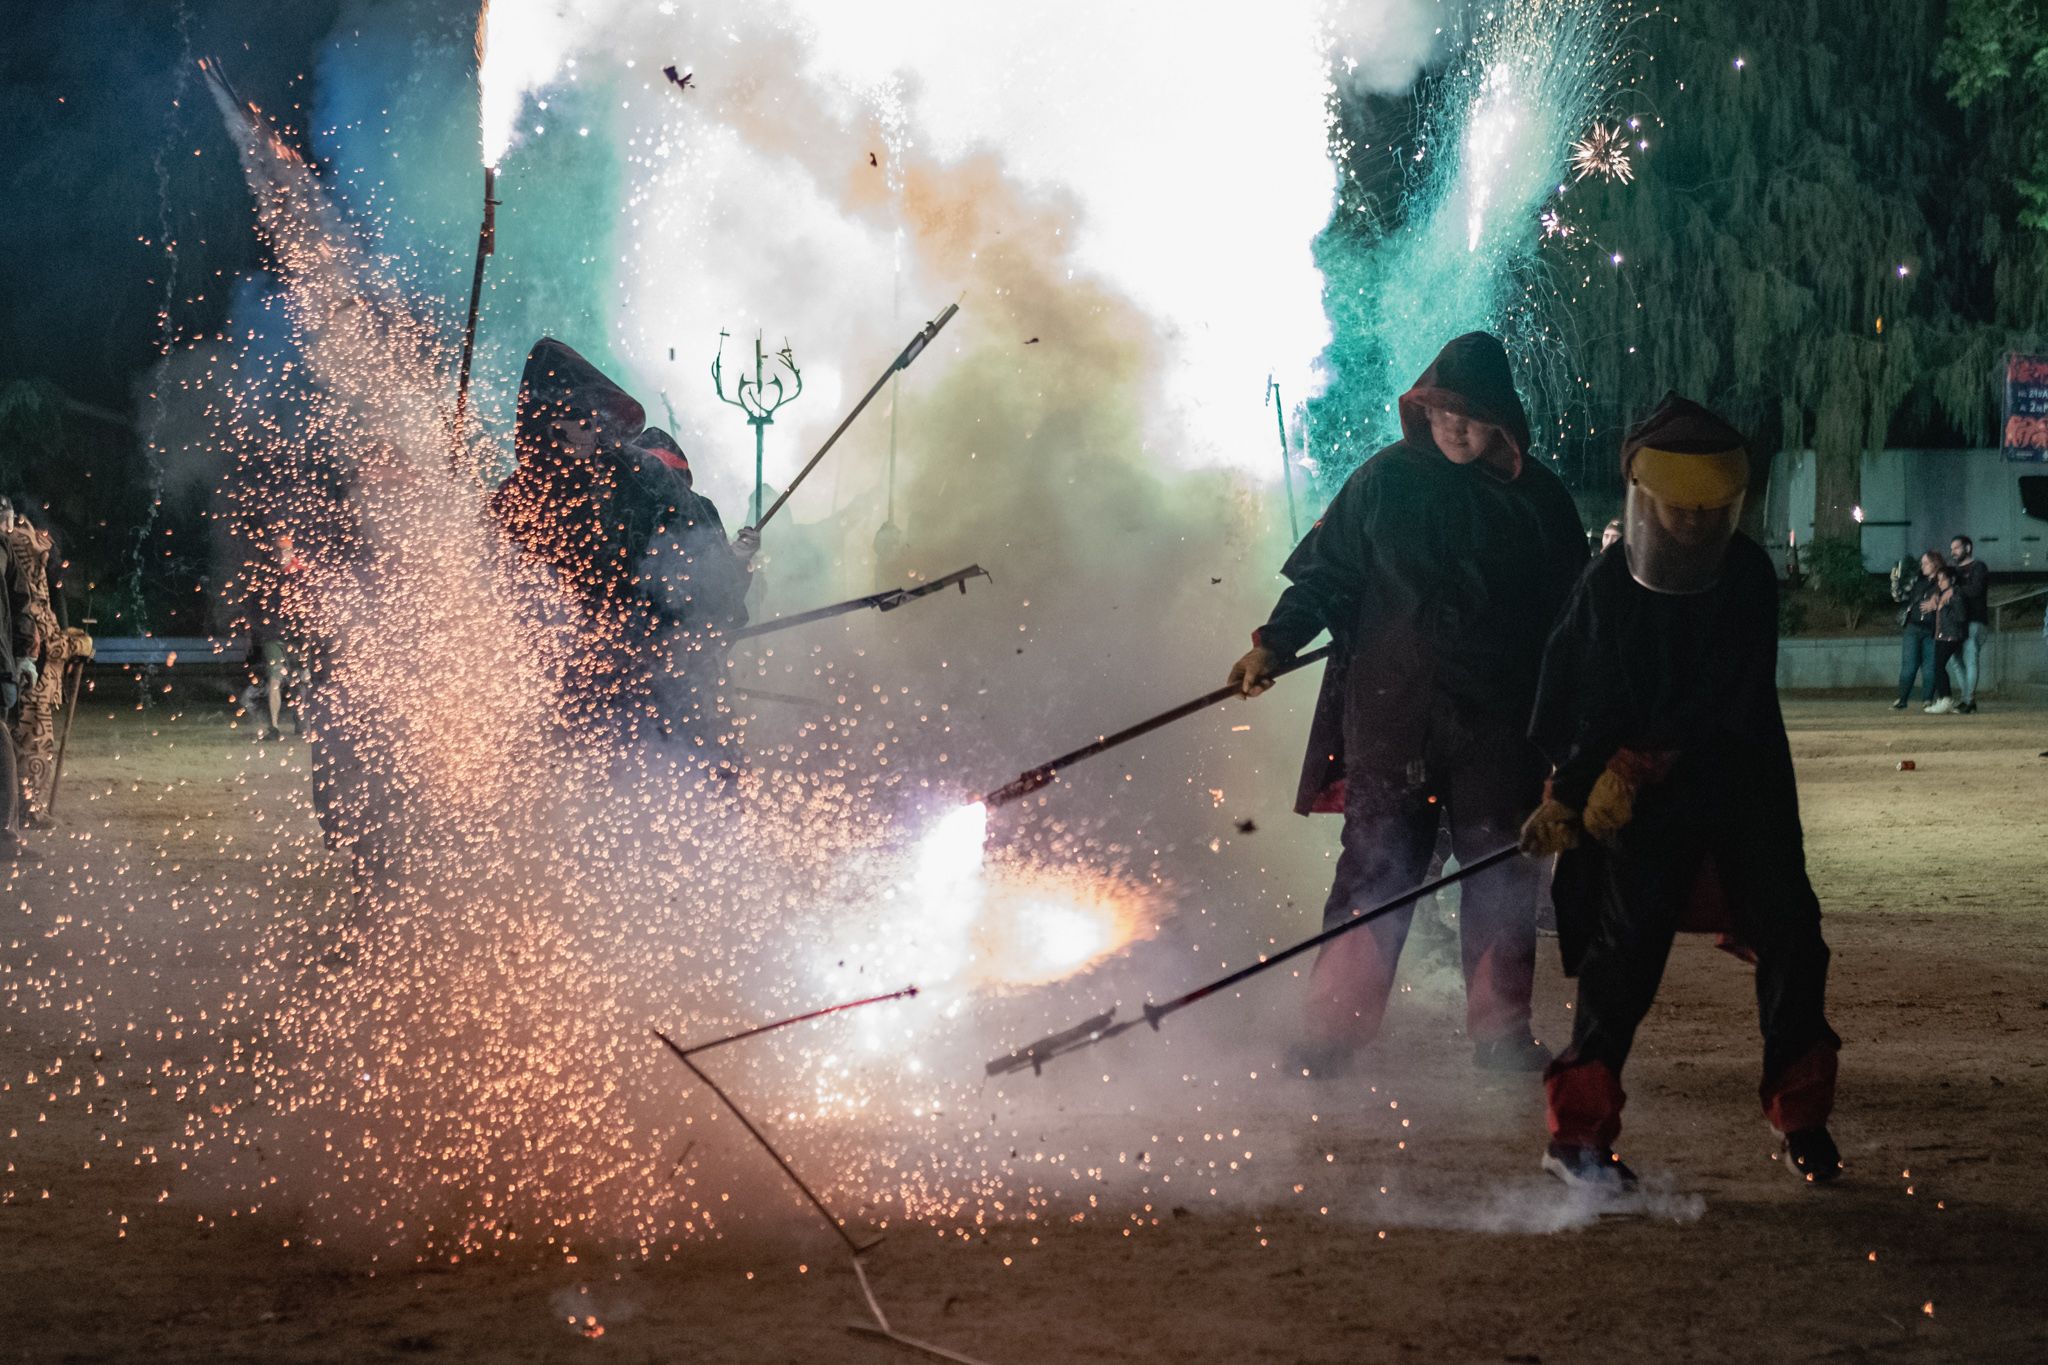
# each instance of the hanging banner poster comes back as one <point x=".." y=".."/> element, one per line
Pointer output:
<point x="2024" y="433"/>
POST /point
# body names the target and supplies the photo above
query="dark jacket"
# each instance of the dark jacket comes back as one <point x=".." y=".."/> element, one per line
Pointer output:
<point x="1952" y="618"/>
<point x="682" y="555"/>
<point x="1438" y="582"/>
<point x="16" y="630"/>
<point x="1973" y="585"/>
<point x="1909" y="590"/>
<point x="1689" y="681"/>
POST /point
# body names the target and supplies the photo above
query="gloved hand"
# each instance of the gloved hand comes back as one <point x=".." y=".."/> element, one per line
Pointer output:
<point x="25" y="673"/>
<point x="746" y="543"/>
<point x="1553" y="828"/>
<point x="1253" y="673"/>
<point x="1610" y="805"/>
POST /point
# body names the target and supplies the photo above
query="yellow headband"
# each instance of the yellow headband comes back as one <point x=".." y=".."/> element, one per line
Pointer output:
<point x="1712" y="480"/>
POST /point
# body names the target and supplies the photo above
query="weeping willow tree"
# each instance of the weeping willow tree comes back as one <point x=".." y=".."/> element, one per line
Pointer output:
<point x="1996" y="59"/>
<point x="1818" y="241"/>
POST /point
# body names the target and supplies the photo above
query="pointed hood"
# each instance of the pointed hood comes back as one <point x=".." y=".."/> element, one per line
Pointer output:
<point x="559" y="385"/>
<point x="661" y="447"/>
<point x="1470" y="377"/>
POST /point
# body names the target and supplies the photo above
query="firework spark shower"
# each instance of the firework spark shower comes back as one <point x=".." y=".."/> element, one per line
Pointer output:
<point x="527" y="931"/>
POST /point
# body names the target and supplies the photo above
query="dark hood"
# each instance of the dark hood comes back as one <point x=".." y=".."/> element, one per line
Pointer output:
<point x="559" y="385"/>
<point x="1470" y="377"/>
<point x="658" y="445"/>
<point x="1681" y="426"/>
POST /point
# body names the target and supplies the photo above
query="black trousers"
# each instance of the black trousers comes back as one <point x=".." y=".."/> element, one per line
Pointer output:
<point x="1944" y="650"/>
<point x="1758" y="857"/>
<point x="1481" y="778"/>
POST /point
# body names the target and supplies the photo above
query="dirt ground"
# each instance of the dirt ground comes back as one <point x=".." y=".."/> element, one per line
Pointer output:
<point x="1935" y="1248"/>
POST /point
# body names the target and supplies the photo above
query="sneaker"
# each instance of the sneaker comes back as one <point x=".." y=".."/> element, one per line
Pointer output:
<point x="268" y="735"/>
<point x="1968" y="708"/>
<point x="1596" y="1169"/>
<point x="1512" y="1053"/>
<point x="1812" y="1155"/>
<point x="1940" y="706"/>
<point x="15" y="851"/>
<point x="1899" y="705"/>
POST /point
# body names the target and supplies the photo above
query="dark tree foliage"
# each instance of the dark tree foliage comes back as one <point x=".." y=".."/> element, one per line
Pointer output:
<point x="1996" y="59"/>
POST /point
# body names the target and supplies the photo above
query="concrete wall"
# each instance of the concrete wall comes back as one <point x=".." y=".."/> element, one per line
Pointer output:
<point x="2010" y="659"/>
<point x="1914" y="500"/>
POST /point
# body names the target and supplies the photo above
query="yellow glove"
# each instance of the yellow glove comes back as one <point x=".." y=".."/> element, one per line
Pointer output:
<point x="1552" y="829"/>
<point x="1610" y="806"/>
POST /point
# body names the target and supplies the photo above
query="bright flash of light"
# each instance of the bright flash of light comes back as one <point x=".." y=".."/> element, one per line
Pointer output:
<point x="1553" y="224"/>
<point x="960" y="921"/>
<point x="521" y="45"/>
<point x="1602" y="152"/>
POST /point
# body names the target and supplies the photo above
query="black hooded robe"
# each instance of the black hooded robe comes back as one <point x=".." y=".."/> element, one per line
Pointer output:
<point x="1438" y="583"/>
<point x="1683" y="687"/>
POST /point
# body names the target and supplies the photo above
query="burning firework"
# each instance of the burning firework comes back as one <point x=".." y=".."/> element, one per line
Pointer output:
<point x="1602" y="152"/>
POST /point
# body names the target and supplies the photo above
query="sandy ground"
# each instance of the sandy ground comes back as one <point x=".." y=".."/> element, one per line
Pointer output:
<point x="1935" y="1248"/>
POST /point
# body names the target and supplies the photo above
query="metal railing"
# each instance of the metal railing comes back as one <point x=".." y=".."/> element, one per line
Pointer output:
<point x="1998" y="609"/>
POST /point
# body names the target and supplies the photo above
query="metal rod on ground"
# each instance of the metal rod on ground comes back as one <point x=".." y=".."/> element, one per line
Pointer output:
<point x="1101" y="1028"/>
<point x="908" y="992"/>
<point x="486" y="243"/>
<point x="77" y="685"/>
<point x="879" y="601"/>
<point x="1030" y="781"/>
<point x="831" y="1220"/>
<point x="901" y="363"/>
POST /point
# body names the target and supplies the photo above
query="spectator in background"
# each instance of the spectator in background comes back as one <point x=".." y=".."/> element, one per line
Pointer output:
<point x="272" y="640"/>
<point x="1973" y="585"/>
<point x="17" y="674"/>
<point x="35" y="724"/>
<point x="1610" y="536"/>
<point x="1913" y="588"/>
<point x="1951" y="628"/>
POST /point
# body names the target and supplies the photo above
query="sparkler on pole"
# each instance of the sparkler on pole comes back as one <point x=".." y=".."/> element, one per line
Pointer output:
<point x="910" y="352"/>
<point x="878" y="601"/>
<point x="1286" y="460"/>
<point x="494" y="140"/>
<point x="1032" y="779"/>
<point x="1102" y="1027"/>
<point x="486" y="244"/>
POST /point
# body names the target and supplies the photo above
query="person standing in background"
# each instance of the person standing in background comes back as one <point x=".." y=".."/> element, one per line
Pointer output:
<point x="1973" y="585"/>
<point x="35" y="724"/>
<point x="1912" y="589"/>
<point x="17" y="673"/>
<point x="1951" y="629"/>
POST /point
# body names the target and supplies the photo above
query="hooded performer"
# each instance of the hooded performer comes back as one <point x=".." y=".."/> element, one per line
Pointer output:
<point x="696" y="581"/>
<point x="1659" y="708"/>
<point x="1438" y="570"/>
<point x="595" y="497"/>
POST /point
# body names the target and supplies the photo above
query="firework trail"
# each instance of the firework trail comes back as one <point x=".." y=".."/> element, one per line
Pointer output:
<point x="1493" y="141"/>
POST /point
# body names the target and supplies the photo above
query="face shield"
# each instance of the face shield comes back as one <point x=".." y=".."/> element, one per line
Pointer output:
<point x="1680" y="516"/>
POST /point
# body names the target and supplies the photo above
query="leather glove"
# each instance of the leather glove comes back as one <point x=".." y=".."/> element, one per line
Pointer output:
<point x="1610" y="805"/>
<point x="1253" y="673"/>
<point x="746" y="543"/>
<point x="25" y="673"/>
<point x="1553" y="828"/>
